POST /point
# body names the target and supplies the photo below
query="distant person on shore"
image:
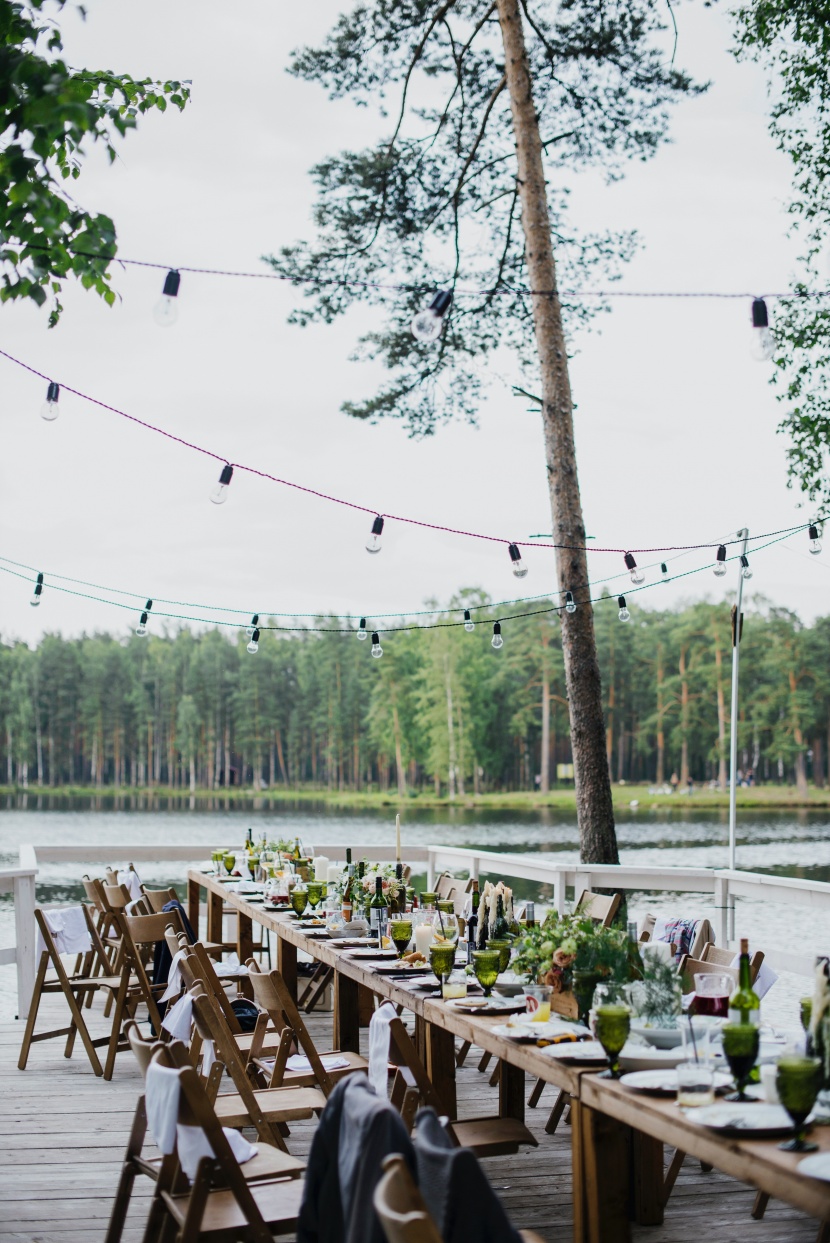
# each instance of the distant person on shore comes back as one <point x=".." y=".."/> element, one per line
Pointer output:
<point x="674" y="782"/>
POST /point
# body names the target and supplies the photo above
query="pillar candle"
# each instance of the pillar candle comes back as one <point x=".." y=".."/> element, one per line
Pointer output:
<point x="397" y="839"/>
<point x="423" y="939"/>
<point x="334" y="873"/>
<point x="321" y="867"/>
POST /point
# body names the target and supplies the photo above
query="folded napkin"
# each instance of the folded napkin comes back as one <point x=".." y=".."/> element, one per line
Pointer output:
<point x="208" y="1056"/>
<point x="332" y="1062"/>
<point x="69" y="930"/>
<point x="133" y="884"/>
<point x="232" y="967"/>
<point x="764" y="980"/>
<point x="174" y="978"/>
<point x="379" y="1046"/>
<point x="178" y="1019"/>
<point x="193" y="1144"/>
<point x="161" y="1100"/>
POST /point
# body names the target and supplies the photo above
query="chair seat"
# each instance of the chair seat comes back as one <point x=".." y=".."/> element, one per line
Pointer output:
<point x="305" y="1078"/>
<point x="268" y="1163"/>
<point x="277" y="1104"/>
<point x="493" y="1137"/>
<point x="278" y="1202"/>
<point x="270" y="1048"/>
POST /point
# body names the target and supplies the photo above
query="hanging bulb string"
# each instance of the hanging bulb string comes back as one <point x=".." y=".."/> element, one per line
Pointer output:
<point x="367" y="509"/>
<point x="350" y="630"/>
<point x="400" y="613"/>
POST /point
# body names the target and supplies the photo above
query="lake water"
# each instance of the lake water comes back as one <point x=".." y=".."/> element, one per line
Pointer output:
<point x="786" y="843"/>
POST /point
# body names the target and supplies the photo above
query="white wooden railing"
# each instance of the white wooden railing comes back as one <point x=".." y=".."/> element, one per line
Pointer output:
<point x="20" y="881"/>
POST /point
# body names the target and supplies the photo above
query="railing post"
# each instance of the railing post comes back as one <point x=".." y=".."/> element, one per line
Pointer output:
<point x="430" y="870"/>
<point x="722" y="910"/>
<point x="24" y="923"/>
<point x="559" y="891"/>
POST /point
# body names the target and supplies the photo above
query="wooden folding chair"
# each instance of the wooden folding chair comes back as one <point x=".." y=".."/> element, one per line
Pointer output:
<point x="75" y="988"/>
<point x="400" y="1208"/>
<point x="721" y="958"/>
<point x="197" y="965"/>
<point x="273" y="996"/>
<point x="412" y="1087"/>
<point x="265" y="1108"/>
<point x="598" y="906"/>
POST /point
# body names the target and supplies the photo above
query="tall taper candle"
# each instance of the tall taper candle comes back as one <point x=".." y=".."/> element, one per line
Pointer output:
<point x="397" y="839"/>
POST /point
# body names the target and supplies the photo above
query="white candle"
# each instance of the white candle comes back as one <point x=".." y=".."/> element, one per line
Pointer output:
<point x="333" y="874"/>
<point x="321" y="867"/>
<point x="423" y="939"/>
<point x="398" y="839"/>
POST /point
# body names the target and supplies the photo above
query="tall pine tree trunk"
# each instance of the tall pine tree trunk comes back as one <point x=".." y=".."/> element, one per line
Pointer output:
<point x="595" y="811"/>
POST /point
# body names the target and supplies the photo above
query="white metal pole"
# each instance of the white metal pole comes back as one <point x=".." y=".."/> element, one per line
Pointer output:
<point x="743" y="535"/>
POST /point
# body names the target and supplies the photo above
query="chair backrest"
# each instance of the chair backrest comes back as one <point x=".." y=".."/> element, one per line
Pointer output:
<point x="175" y="940"/>
<point x="446" y="886"/>
<point x="94" y="891"/>
<point x="116" y="896"/>
<point x="726" y="958"/>
<point x="400" y="1208"/>
<point x="703" y="934"/>
<point x="598" y="906"/>
<point x="689" y="967"/>
<point x="204" y="970"/>
<point x="158" y="898"/>
<point x="138" y="931"/>
<point x="272" y="995"/>
<point x="141" y="1047"/>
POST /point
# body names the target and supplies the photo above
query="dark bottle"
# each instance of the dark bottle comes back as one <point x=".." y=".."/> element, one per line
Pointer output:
<point x="348" y="856"/>
<point x="744" y="1005"/>
<point x="635" y="958"/>
<point x="530" y="915"/>
<point x="501" y="928"/>
<point x="472" y="925"/>
<point x="347" y="905"/>
<point x="249" y="840"/>
<point x="483" y="926"/>
<point x="400" y="890"/>
<point x="378" y="911"/>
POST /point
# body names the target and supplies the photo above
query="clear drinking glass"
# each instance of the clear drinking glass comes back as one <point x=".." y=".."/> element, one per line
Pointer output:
<point x="695" y="1084"/>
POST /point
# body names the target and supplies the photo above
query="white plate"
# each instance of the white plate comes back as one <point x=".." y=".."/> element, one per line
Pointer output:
<point x="584" y="1051"/>
<point x="509" y="984"/>
<point x="663" y="1082"/>
<point x="816" y="1166"/>
<point x="520" y="1030"/>
<point x="484" y="1005"/>
<point x="646" y="1057"/>
<point x="737" y="1119"/>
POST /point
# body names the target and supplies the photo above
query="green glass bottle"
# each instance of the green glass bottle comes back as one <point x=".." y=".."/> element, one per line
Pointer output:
<point x="378" y="911"/>
<point x="501" y="929"/>
<point x="347" y="905"/>
<point x="400" y="890"/>
<point x="635" y="958"/>
<point x="744" y="1006"/>
<point x="472" y="925"/>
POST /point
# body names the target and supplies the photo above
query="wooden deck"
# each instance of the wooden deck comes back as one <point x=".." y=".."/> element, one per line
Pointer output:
<point x="63" y="1133"/>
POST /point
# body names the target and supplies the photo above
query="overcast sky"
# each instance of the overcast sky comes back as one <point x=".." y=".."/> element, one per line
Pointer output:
<point x="675" y="422"/>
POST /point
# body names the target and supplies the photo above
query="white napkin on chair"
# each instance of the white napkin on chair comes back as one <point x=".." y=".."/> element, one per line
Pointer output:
<point x="230" y="968"/>
<point x="174" y="978"/>
<point x="298" y="1061"/>
<point x="193" y="1144"/>
<point x="379" y="1046"/>
<point x="161" y="1100"/>
<point x="69" y="931"/>
<point x="208" y="1056"/>
<point x="133" y="884"/>
<point x="178" y="1019"/>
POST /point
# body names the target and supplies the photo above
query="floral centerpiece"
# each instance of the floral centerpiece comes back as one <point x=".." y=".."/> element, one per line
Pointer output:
<point x="572" y="954"/>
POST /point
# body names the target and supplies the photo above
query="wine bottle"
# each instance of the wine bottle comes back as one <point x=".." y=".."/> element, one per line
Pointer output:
<point x="744" y="1006"/>
<point x="378" y="911"/>
<point x="249" y="840"/>
<point x="348" y="857"/>
<point x="347" y="905"/>
<point x="636" y="970"/>
<point x="298" y="854"/>
<point x="483" y="926"/>
<point x="501" y="928"/>
<point x="472" y="925"/>
<point x="530" y="915"/>
<point x="400" y="890"/>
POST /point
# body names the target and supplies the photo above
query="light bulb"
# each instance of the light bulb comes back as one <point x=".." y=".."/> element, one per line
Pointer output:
<point x="745" y="570"/>
<point x="220" y="493"/>
<point x="720" y="562"/>
<point x="497" y="641"/>
<point x="166" y="310"/>
<point x="361" y="633"/>
<point x="624" y="614"/>
<point x="377" y="650"/>
<point x="815" y="543"/>
<point x="373" y="542"/>
<point x="37" y="592"/>
<point x="637" y="575"/>
<point x="141" y="628"/>
<point x="664" y="570"/>
<point x="253" y="646"/>
<point x="763" y="342"/>
<point x="427" y="324"/>
<point x="254" y="623"/>
<point x="570" y="603"/>
<point x="50" y="409"/>
<point x="519" y="567"/>
<point x="469" y="624"/>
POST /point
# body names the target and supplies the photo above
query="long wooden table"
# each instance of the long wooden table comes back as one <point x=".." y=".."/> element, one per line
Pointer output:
<point x="617" y="1137"/>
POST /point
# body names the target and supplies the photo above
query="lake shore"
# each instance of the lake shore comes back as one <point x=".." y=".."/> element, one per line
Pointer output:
<point x="625" y="796"/>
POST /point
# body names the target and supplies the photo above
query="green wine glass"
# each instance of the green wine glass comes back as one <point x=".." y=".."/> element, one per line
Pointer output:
<point x="740" y="1047"/>
<point x="805" y="1011"/>
<point x="442" y="960"/>
<point x="503" y="950"/>
<point x="486" y="965"/>
<point x="612" y="1023"/>
<point x="299" y="900"/>
<point x="315" y="890"/>
<point x="216" y="857"/>
<point x="797" y="1082"/>
<point x="253" y="864"/>
<point x="400" y="930"/>
<point x="229" y="860"/>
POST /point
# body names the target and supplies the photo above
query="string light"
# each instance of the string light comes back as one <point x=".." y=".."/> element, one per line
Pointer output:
<point x="373" y="543"/>
<point x="50" y="409"/>
<point x="623" y="614"/>
<point x="254" y="623"/>
<point x="166" y="310"/>
<point x="519" y="567"/>
<point x="570" y="603"/>
<point x="141" y="628"/>
<point x="37" y="592"/>
<point x="815" y="543"/>
<point x="720" y="562"/>
<point x="497" y="641"/>
<point x="361" y="633"/>
<point x="427" y="324"/>
<point x="220" y="493"/>
<point x="745" y="569"/>
<point x="763" y="342"/>
<point x="377" y="650"/>
<point x="664" y="570"/>
<point x="637" y="575"/>
<point x="469" y="624"/>
<point x="253" y="646"/>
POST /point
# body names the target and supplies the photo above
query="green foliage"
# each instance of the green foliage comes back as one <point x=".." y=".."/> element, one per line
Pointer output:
<point x="436" y="202"/>
<point x="791" y="39"/>
<point x="49" y="111"/>
<point x="552" y="951"/>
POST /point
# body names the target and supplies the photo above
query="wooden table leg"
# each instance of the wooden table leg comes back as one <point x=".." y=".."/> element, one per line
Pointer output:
<point x="346" y="1014"/>
<point x="244" y="938"/>
<point x="647" y="1191"/>
<point x="287" y="964"/>
<point x="606" y="1171"/>
<point x="511" y="1092"/>
<point x="578" y="1167"/>
<point x="194" y="892"/>
<point x="441" y="1066"/>
<point x="215" y="905"/>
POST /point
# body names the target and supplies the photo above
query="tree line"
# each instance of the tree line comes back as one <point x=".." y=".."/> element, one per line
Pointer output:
<point x="441" y="710"/>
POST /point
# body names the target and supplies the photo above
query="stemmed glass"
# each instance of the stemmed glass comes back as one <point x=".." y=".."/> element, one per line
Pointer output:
<point x="229" y="860"/>
<point x="740" y="1047"/>
<point x="400" y="931"/>
<point x="486" y="966"/>
<point x="503" y="950"/>
<point x="612" y="1023"/>
<point x="253" y="864"/>
<point x="299" y="900"/>
<point x="797" y="1082"/>
<point x="445" y="927"/>
<point x="316" y="890"/>
<point x="441" y="959"/>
